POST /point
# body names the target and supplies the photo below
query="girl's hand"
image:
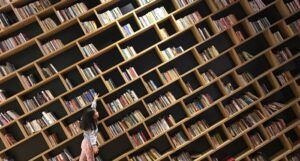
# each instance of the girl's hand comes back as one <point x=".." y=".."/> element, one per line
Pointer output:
<point x="96" y="96"/>
<point x="95" y="149"/>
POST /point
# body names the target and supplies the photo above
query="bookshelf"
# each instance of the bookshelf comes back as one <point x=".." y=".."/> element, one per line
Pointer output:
<point x="176" y="82"/>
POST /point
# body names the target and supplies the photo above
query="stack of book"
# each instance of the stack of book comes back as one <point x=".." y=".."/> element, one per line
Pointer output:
<point x="6" y="69"/>
<point x="127" y="30"/>
<point x="128" y="52"/>
<point x="223" y="3"/>
<point x="125" y="123"/>
<point x="153" y="16"/>
<point x="294" y="27"/>
<point x="12" y="42"/>
<point x="49" y="70"/>
<point x="179" y="138"/>
<point x="245" y="122"/>
<point x="74" y="128"/>
<point x="171" y="52"/>
<point x="207" y="76"/>
<point x="257" y="5"/>
<point x="164" y="33"/>
<point x="170" y="75"/>
<point x="69" y="84"/>
<point x="143" y="2"/>
<point x="52" y="46"/>
<point x="53" y="139"/>
<point x="48" y="24"/>
<point x="32" y="8"/>
<point x="209" y="53"/>
<point x="7" y="116"/>
<point x="89" y="26"/>
<point x="91" y="72"/>
<point x="183" y="156"/>
<point x="161" y="102"/>
<point x="283" y="55"/>
<point x="228" y="87"/>
<point x="225" y="22"/>
<point x="130" y="74"/>
<point x="256" y="139"/>
<point x="245" y="56"/>
<point x="71" y="12"/>
<point x="284" y="77"/>
<point x="28" y="80"/>
<point x="240" y="36"/>
<point x="260" y="24"/>
<point x="277" y="36"/>
<point x="151" y="155"/>
<point x="138" y="138"/>
<point x="273" y="107"/>
<point x="204" y="100"/>
<point x="183" y="3"/>
<point x="152" y="85"/>
<point x="65" y="156"/>
<point x="2" y="95"/>
<point x="110" y="84"/>
<point x="217" y="139"/>
<point x="245" y="77"/>
<point x="204" y="33"/>
<point x="5" y="21"/>
<point x="83" y="100"/>
<point x="188" y="20"/>
<point x="38" y="100"/>
<point x="109" y="16"/>
<point x="237" y="104"/>
<point x="127" y="98"/>
<point x="275" y="127"/>
<point x="9" y="139"/>
<point x="161" y="125"/>
<point x="38" y="124"/>
<point x="293" y="6"/>
<point x="89" y="50"/>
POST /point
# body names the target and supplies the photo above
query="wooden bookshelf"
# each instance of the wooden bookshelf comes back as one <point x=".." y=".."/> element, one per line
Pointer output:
<point x="204" y="80"/>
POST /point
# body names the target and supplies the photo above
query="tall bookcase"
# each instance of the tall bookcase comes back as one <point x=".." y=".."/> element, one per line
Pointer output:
<point x="260" y="73"/>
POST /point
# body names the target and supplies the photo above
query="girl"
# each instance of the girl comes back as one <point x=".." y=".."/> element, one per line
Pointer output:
<point x="89" y="126"/>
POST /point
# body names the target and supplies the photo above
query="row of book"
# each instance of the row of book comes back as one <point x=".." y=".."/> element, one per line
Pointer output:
<point x="245" y="122"/>
<point x="81" y="101"/>
<point x="183" y="3"/>
<point x="207" y="76"/>
<point x="12" y="42"/>
<point x="52" y="46"/>
<point x="89" y="26"/>
<point x="294" y="26"/>
<point x="217" y="139"/>
<point x="184" y="156"/>
<point x="275" y="127"/>
<point x="179" y="138"/>
<point x="257" y="5"/>
<point x="38" y="100"/>
<point x="2" y="95"/>
<point x="204" y="33"/>
<point x="284" y="77"/>
<point x="161" y="102"/>
<point x="283" y="55"/>
<point x="127" y="98"/>
<point x="273" y="107"/>
<point x="225" y="22"/>
<point x="127" y="30"/>
<point x="143" y="2"/>
<point x="260" y="24"/>
<point x="245" y="77"/>
<point x="164" y="33"/>
<point x="239" y="35"/>
<point x="64" y="156"/>
<point x="293" y="6"/>
<point x="71" y="12"/>
<point x="36" y="125"/>
<point x="5" y="21"/>
<point x="7" y="116"/>
<point x="277" y="36"/>
<point x="256" y="139"/>
<point x="170" y="75"/>
<point x="69" y="83"/>
<point x="125" y="123"/>
<point x="153" y="16"/>
<point x="89" y="50"/>
<point x="149" y="155"/>
<point x="49" y="70"/>
<point x="109" y="16"/>
<point x="138" y="138"/>
<point x="245" y="56"/>
<point x="128" y="52"/>
<point x="32" y="8"/>
<point x="91" y="71"/>
<point x="209" y="53"/>
<point x="53" y="139"/>
<point x="9" y="139"/>
<point x="199" y="103"/>
<point x="48" y="24"/>
<point x="110" y="84"/>
<point x="161" y="125"/>
<point x="6" y="69"/>
<point x="171" y="52"/>
<point x="237" y="104"/>
<point x="223" y="3"/>
<point x="130" y="74"/>
<point x="74" y="128"/>
<point x="188" y="20"/>
<point x="151" y="84"/>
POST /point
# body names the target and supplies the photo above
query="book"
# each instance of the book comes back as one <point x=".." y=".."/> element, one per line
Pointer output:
<point x="109" y="16"/>
<point x="294" y="26"/>
<point x="170" y="75"/>
<point x="8" y="116"/>
<point x="151" y="84"/>
<point x="38" y="100"/>
<point x="28" y="80"/>
<point x="293" y="6"/>
<point x="32" y="8"/>
<point x="245" y="56"/>
<point x="161" y="125"/>
<point x="65" y="156"/>
<point x="171" y="52"/>
<point x="52" y="46"/>
<point x="209" y="53"/>
<point x="277" y="36"/>
<point x="83" y="100"/>
<point x="257" y="5"/>
<point x="275" y="127"/>
<point x="48" y="24"/>
<point x="240" y="36"/>
<point x="128" y="52"/>
<point x="71" y="12"/>
<point x="110" y="84"/>
<point x="183" y="156"/>
<point x="9" y="139"/>
<point x="225" y="22"/>
<point x="273" y="107"/>
<point x="197" y="128"/>
<point x="182" y="3"/>
<point x="284" y="77"/>
<point x="126" y="123"/>
<point x="153" y="16"/>
<point x="204" y="33"/>
<point x="217" y="139"/>
<point x="143" y="2"/>
<point x="161" y="102"/>
<point x="150" y="154"/>
<point x="89" y="26"/>
<point x="6" y="69"/>
<point x="2" y="95"/>
<point x="283" y="55"/>
<point x="91" y="71"/>
<point x="164" y="33"/>
<point x="74" y="128"/>
<point x="69" y="83"/>
<point x="53" y="139"/>
<point x="238" y="104"/>
<point x="36" y="125"/>
<point x="130" y="74"/>
<point x="199" y="103"/>
<point x="12" y="42"/>
<point x="126" y="99"/>
<point x="127" y="30"/>
<point x="260" y="24"/>
<point x="223" y="3"/>
<point x="49" y="70"/>
<point x="245" y="78"/>
<point x="258" y="157"/>
<point x="179" y="138"/>
<point x="256" y="139"/>
<point x="188" y="20"/>
<point x="207" y="76"/>
<point x="89" y="50"/>
<point x="6" y="20"/>
<point x="138" y="138"/>
<point x="189" y="87"/>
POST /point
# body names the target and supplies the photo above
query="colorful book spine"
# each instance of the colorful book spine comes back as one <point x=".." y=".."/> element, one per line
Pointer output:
<point x="109" y="16"/>
<point x="71" y="12"/>
<point x="153" y="16"/>
<point x="126" y="99"/>
<point x="48" y="24"/>
<point x="38" y="100"/>
<point x="80" y="101"/>
<point x="188" y="20"/>
<point x="32" y="8"/>
<point x="225" y="22"/>
<point x="161" y="102"/>
<point x="89" y="26"/>
<point x="170" y="75"/>
<point x="130" y="74"/>
<point x="52" y="46"/>
<point x="204" y="100"/>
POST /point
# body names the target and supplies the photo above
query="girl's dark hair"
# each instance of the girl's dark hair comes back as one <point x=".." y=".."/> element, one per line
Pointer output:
<point x="87" y="121"/>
